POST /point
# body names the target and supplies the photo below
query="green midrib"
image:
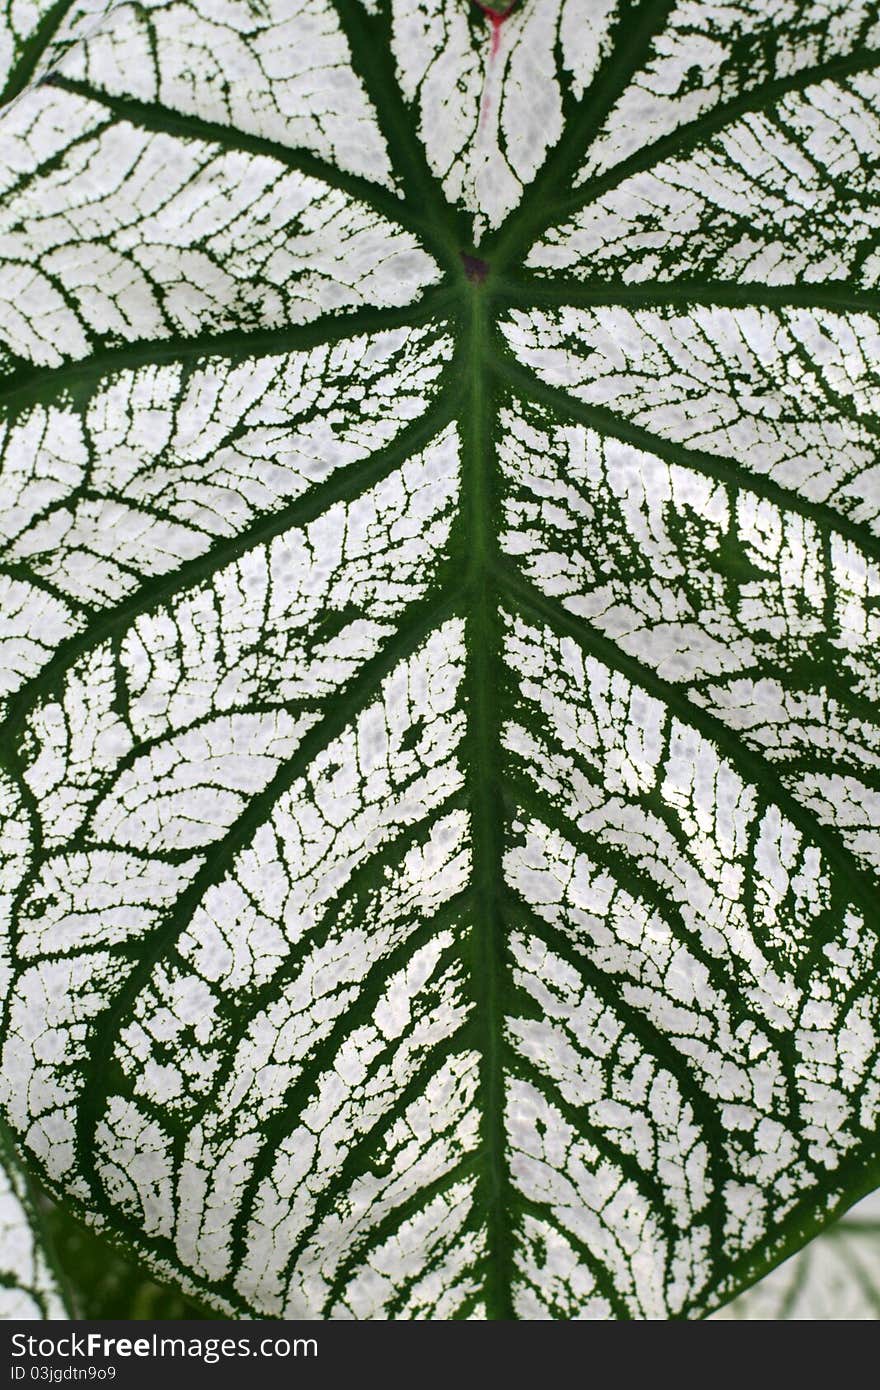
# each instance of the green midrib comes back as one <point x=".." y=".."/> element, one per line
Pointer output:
<point x="484" y="673"/>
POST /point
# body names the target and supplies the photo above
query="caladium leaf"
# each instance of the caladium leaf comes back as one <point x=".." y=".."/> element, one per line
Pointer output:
<point x="441" y="602"/>
<point x="31" y="1285"/>
<point x="834" y="1278"/>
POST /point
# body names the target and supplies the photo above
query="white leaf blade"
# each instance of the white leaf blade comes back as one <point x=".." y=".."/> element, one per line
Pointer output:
<point x="113" y="233"/>
<point x="778" y="197"/>
<point x="739" y="384"/>
<point x="167" y="464"/>
<point x="710" y="55"/>
<point x="282" y="74"/>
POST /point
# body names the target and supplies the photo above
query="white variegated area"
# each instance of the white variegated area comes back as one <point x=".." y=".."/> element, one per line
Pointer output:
<point x="489" y="113"/>
<point x="710" y="54"/>
<point x="760" y="201"/>
<point x="690" y="1000"/>
<point x="111" y="233"/>
<point x="790" y="393"/>
<point x="165" y="460"/>
<point x="720" y="592"/>
<point x="439" y="615"/>
<point x="281" y="70"/>
<point x="35" y="34"/>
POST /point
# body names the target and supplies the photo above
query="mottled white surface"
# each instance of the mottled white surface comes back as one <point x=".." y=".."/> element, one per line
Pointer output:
<point x="490" y="109"/>
<point x="700" y="949"/>
<point x="791" y="393"/>
<point x="722" y="594"/>
<point x="281" y="71"/>
<point x="108" y="232"/>
<point x="758" y="202"/>
<point x="711" y="53"/>
<point x="169" y="458"/>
